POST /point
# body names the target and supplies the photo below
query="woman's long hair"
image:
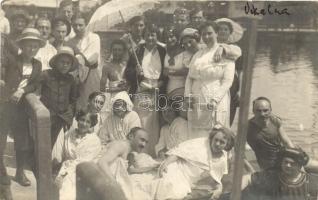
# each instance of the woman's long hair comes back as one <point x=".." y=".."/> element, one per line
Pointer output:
<point x="227" y="133"/>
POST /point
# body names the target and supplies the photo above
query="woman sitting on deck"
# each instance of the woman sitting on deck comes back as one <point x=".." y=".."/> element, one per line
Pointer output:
<point x="196" y="166"/>
<point x="122" y="119"/>
<point x="75" y="146"/>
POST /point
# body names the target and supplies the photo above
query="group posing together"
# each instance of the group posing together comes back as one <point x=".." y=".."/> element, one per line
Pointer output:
<point x="154" y="118"/>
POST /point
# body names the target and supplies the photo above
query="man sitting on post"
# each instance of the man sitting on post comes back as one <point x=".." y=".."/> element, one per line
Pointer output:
<point x="265" y="134"/>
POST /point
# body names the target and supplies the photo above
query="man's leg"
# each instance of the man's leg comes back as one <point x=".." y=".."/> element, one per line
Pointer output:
<point x="20" y="129"/>
<point x="5" y="182"/>
<point x="5" y="191"/>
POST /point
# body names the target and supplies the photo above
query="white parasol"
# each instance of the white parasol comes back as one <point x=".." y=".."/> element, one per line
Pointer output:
<point x="108" y="15"/>
<point x="37" y="3"/>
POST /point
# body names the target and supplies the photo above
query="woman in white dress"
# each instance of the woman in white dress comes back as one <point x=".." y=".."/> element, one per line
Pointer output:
<point x="195" y="167"/>
<point x="73" y="147"/>
<point x="121" y="120"/>
<point x="207" y="86"/>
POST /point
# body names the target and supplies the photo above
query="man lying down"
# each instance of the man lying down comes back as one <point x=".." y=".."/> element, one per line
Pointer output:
<point x="193" y="168"/>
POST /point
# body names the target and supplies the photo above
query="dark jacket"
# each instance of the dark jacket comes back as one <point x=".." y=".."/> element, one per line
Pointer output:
<point x="12" y="68"/>
<point x="130" y="72"/>
<point x="59" y="94"/>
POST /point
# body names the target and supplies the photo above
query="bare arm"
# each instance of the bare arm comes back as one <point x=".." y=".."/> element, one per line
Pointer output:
<point x="231" y="51"/>
<point x="246" y="180"/>
<point x="164" y="165"/>
<point x="115" y="150"/>
<point x="285" y="138"/>
<point x="248" y="167"/>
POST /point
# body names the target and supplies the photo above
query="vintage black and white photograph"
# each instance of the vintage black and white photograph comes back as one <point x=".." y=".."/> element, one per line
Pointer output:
<point x="158" y="100"/>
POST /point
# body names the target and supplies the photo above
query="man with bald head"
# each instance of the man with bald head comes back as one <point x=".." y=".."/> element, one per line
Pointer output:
<point x="137" y="140"/>
<point x="109" y="179"/>
<point x="265" y="133"/>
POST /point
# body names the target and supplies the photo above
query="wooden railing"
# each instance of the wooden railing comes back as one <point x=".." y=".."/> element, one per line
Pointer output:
<point x="40" y="133"/>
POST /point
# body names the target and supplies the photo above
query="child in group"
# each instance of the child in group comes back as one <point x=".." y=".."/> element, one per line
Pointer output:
<point x="59" y="90"/>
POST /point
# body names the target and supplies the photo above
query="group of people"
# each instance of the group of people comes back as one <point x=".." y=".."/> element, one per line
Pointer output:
<point x="154" y="118"/>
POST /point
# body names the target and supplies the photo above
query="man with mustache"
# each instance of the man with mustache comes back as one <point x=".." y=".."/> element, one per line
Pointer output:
<point x="265" y="134"/>
<point x="109" y="179"/>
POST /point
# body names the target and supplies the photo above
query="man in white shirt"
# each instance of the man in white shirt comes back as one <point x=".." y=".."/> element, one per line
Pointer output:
<point x="48" y="51"/>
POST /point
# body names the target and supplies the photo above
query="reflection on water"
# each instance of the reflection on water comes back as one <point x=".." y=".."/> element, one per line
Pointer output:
<point x="287" y="72"/>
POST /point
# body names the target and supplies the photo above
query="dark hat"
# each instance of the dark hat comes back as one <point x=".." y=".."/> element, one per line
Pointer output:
<point x="296" y="154"/>
<point x="20" y="14"/>
<point x="31" y="34"/>
<point x="64" y="21"/>
<point x="65" y="50"/>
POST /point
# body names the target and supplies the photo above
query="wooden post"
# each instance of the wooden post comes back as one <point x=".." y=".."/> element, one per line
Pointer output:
<point x="248" y="64"/>
<point x="40" y="126"/>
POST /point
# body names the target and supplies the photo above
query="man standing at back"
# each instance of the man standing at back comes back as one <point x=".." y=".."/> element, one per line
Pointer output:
<point x="45" y="53"/>
<point x="265" y="134"/>
<point x="66" y="11"/>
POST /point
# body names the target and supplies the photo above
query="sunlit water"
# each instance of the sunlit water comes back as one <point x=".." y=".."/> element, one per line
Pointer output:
<point x="287" y="73"/>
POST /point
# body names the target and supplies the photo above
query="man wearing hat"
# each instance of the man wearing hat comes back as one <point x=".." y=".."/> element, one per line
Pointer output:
<point x="290" y="180"/>
<point x="44" y="54"/>
<point x="59" y="90"/>
<point x="20" y="76"/>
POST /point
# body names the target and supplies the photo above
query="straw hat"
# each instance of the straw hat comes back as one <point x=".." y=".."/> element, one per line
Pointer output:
<point x="31" y="34"/>
<point x="237" y="32"/>
<point x="65" y="50"/>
